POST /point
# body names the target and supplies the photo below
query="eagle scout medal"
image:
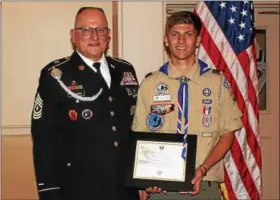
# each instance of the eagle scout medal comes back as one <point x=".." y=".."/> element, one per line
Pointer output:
<point x="87" y="114"/>
<point x="206" y="119"/>
<point x="128" y="79"/>
<point x="73" y="115"/>
<point x="154" y="121"/>
<point x="206" y="92"/>
<point x="56" y="73"/>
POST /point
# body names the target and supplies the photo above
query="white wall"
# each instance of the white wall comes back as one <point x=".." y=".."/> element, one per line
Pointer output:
<point x="141" y="35"/>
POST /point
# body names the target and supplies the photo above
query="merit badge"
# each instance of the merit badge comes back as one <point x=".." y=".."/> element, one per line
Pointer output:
<point x="128" y="79"/>
<point x="162" y="109"/>
<point x="73" y="115"/>
<point x="132" y="110"/>
<point x="81" y="67"/>
<point x="154" y="121"/>
<point x="206" y="120"/>
<point x="87" y="114"/>
<point x="38" y="107"/>
<point x="56" y="73"/>
<point x="206" y="92"/>
<point x="161" y="89"/>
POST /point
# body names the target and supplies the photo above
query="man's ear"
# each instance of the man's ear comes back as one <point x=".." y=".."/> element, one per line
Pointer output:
<point x="72" y="33"/>
<point x="166" y="41"/>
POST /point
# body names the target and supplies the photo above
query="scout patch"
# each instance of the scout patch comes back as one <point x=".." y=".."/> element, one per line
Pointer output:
<point x="207" y="101"/>
<point x="162" y="109"/>
<point x="132" y="110"/>
<point x="162" y="98"/>
<point x="161" y="89"/>
<point x="73" y="115"/>
<point x="154" y="121"/>
<point x="87" y="114"/>
<point x="206" y="92"/>
<point x="206" y="134"/>
<point x="38" y="107"/>
<point x="128" y="79"/>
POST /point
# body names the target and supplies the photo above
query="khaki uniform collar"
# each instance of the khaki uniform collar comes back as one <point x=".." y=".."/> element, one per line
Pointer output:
<point x="192" y="73"/>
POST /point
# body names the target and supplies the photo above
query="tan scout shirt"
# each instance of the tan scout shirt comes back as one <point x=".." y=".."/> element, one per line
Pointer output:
<point x="224" y="111"/>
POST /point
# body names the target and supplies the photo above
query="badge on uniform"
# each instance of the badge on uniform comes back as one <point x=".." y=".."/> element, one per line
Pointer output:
<point x="128" y="79"/>
<point x="226" y="84"/>
<point x="132" y="110"/>
<point x="87" y="114"/>
<point x="131" y="92"/>
<point x="154" y="121"/>
<point x="81" y="67"/>
<point x="206" y="111"/>
<point x="161" y="89"/>
<point x="206" y="92"/>
<point x="162" y="109"/>
<point x="38" y="107"/>
<point x="77" y="89"/>
<point x="73" y="115"/>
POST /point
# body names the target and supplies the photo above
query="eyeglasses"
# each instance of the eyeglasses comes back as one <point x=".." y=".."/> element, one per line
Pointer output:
<point x="87" y="31"/>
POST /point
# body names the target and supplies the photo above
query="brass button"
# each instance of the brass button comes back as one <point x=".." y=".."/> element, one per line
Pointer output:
<point x="116" y="144"/>
<point x="110" y="99"/>
<point x="112" y="113"/>
<point x="114" y="128"/>
<point x="68" y="164"/>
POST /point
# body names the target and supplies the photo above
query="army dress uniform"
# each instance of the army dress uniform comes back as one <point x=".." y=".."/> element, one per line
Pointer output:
<point x="211" y="111"/>
<point x="80" y="129"/>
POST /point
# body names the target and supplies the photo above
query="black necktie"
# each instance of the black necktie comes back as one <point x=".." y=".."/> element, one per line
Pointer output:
<point x="97" y="67"/>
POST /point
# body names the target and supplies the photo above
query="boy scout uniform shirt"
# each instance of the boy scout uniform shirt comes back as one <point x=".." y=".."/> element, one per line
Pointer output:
<point x="209" y="89"/>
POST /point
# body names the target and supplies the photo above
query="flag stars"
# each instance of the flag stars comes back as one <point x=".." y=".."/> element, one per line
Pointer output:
<point x="246" y="2"/>
<point x="242" y="25"/>
<point x="240" y="37"/>
<point x="231" y="20"/>
<point x="223" y="5"/>
<point x="244" y="13"/>
<point x="233" y="8"/>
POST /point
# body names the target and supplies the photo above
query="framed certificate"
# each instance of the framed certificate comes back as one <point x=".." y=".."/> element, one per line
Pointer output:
<point x="155" y="159"/>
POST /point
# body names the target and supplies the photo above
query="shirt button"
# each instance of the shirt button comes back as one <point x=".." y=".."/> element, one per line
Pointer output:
<point x="68" y="164"/>
<point x="112" y="113"/>
<point x="110" y="99"/>
<point x="116" y="144"/>
<point x="114" y="128"/>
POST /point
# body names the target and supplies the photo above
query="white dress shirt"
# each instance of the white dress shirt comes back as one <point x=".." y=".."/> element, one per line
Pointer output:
<point x="104" y="68"/>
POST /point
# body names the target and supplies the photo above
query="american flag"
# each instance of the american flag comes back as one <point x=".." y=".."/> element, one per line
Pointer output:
<point x="228" y="44"/>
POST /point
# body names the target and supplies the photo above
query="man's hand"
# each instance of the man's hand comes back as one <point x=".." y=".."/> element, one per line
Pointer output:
<point x="153" y="190"/>
<point x="199" y="173"/>
<point x="143" y="195"/>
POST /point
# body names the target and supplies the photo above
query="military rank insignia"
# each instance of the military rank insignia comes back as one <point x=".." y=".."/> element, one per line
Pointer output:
<point x="38" y="107"/>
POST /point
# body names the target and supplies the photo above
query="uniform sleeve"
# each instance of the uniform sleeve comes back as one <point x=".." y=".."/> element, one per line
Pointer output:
<point x="142" y="109"/>
<point x="45" y="136"/>
<point x="230" y="115"/>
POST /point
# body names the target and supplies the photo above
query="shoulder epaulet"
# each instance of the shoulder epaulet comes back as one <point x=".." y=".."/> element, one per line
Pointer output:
<point x="149" y="74"/>
<point x="216" y="71"/>
<point x="58" y="62"/>
<point x="120" y="60"/>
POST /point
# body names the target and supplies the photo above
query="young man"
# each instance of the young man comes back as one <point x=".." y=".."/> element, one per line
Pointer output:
<point x="195" y="100"/>
<point x="82" y="117"/>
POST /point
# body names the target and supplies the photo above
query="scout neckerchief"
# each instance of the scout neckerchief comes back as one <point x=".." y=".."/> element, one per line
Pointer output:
<point x="183" y="101"/>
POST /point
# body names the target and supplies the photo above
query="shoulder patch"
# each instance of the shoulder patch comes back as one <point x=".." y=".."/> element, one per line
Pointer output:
<point x="120" y="60"/>
<point x="216" y="71"/>
<point x="58" y="62"/>
<point x="149" y="74"/>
